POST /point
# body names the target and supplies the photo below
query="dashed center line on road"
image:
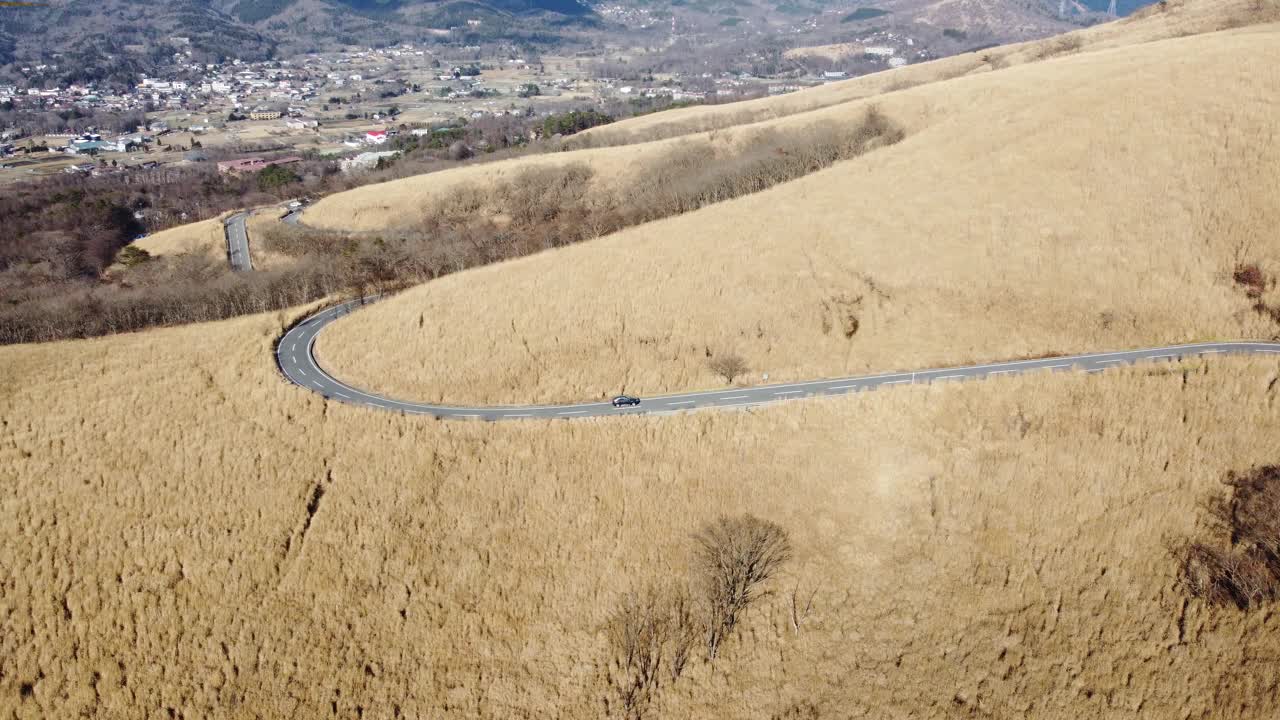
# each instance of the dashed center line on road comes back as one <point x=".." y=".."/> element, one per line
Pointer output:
<point x="731" y="397"/>
<point x="571" y="412"/>
<point x="680" y="402"/>
<point x="788" y="392"/>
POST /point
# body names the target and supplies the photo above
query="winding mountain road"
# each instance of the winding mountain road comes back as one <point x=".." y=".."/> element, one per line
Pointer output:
<point x="295" y="354"/>
<point x="238" y="242"/>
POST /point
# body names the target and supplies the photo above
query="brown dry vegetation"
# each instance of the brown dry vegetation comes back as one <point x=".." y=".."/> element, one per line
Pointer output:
<point x="1051" y="207"/>
<point x="205" y="237"/>
<point x="1240" y="565"/>
<point x="181" y="530"/>
<point x="184" y="535"/>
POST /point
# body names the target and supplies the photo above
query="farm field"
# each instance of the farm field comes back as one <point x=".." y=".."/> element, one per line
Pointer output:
<point x="241" y="548"/>
<point x="1029" y="211"/>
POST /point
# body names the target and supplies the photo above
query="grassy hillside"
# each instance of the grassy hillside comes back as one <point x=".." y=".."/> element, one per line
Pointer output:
<point x="203" y="237"/>
<point x="399" y="204"/>
<point x="184" y="535"/>
<point x="1170" y="19"/>
<point x="240" y="549"/>
<point x="1049" y="207"/>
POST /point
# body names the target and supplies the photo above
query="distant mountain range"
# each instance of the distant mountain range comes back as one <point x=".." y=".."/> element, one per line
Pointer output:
<point x="116" y="39"/>
<point x="125" y="31"/>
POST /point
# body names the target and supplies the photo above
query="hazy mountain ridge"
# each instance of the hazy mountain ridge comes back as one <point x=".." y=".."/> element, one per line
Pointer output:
<point x="117" y="39"/>
<point x="251" y="29"/>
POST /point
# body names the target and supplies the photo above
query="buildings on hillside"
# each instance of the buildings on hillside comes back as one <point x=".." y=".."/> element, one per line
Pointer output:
<point x="244" y="165"/>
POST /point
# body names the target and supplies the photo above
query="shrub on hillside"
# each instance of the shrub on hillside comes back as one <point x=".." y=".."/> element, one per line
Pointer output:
<point x="132" y="256"/>
<point x="1242" y="567"/>
<point x="728" y="366"/>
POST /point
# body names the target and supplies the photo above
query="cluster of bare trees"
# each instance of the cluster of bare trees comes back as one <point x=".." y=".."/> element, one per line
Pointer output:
<point x="654" y="631"/>
<point x="1243" y="571"/>
<point x="169" y="295"/>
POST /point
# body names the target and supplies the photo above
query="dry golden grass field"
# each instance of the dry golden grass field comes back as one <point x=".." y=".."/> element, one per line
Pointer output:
<point x="205" y="236"/>
<point x="183" y="535"/>
<point x="1060" y="206"/>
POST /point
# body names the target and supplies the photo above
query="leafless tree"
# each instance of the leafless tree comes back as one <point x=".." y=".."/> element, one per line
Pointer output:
<point x="734" y="557"/>
<point x="801" y="603"/>
<point x="728" y="366"/>
<point x="650" y="636"/>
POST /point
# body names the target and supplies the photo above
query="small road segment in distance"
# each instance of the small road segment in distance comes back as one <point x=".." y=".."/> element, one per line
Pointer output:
<point x="238" y="242"/>
<point x="295" y="355"/>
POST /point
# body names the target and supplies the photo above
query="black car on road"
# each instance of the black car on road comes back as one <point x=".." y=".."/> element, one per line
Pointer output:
<point x="625" y="401"/>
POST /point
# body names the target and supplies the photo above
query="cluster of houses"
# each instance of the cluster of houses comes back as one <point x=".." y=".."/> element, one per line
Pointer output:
<point x="92" y="143"/>
<point x="725" y="85"/>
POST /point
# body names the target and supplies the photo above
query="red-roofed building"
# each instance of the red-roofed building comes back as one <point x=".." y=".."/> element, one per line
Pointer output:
<point x="254" y="164"/>
<point x="375" y="137"/>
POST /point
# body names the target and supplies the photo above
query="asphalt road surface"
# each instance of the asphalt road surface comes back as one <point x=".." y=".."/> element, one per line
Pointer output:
<point x="296" y="358"/>
<point x="238" y="242"/>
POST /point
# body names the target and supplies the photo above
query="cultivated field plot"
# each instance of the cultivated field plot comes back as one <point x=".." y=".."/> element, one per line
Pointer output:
<point x="184" y="534"/>
<point x="1052" y="207"/>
